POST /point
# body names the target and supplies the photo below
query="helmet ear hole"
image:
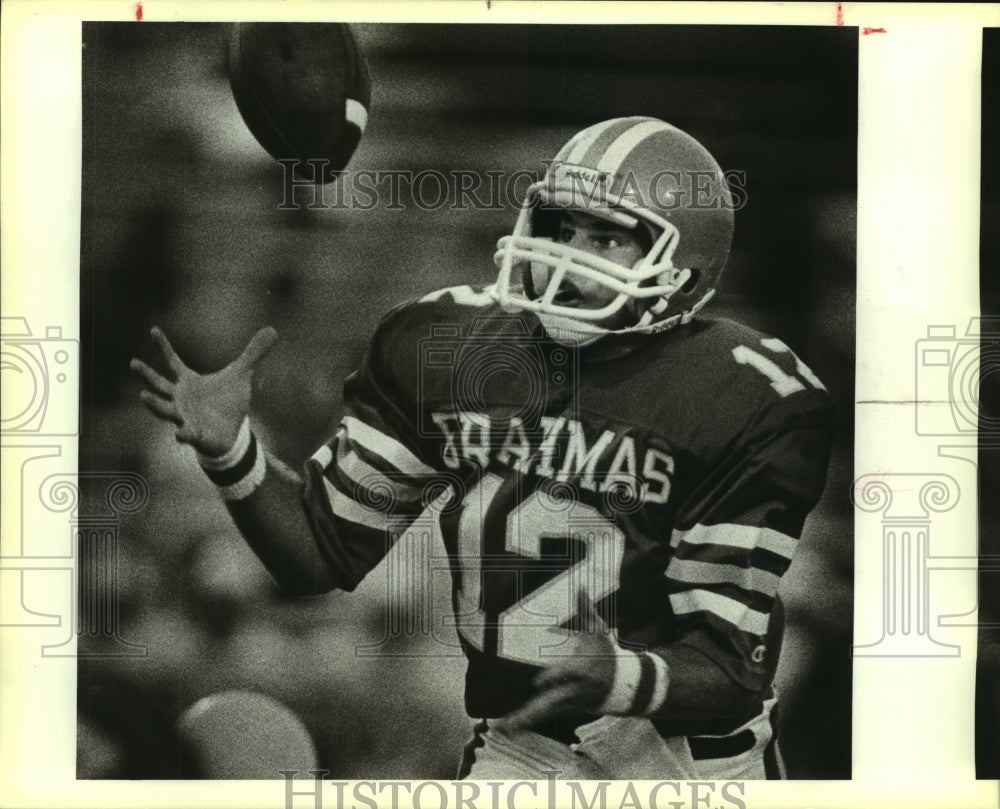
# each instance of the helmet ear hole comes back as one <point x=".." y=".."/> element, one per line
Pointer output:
<point x="545" y="221"/>
<point x="692" y="282"/>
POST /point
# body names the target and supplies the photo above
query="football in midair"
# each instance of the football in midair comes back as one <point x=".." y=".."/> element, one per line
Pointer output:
<point x="303" y="90"/>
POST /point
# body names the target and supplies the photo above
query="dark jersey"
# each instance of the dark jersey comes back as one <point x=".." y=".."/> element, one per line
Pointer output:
<point x="670" y="484"/>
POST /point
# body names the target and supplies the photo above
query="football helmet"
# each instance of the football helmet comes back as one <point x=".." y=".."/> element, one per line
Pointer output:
<point x="635" y="172"/>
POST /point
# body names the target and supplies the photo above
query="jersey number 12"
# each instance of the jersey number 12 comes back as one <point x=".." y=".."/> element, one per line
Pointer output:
<point x="530" y="630"/>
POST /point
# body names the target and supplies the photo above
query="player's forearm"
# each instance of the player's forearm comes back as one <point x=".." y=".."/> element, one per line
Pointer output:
<point x="265" y="499"/>
<point x="699" y="689"/>
<point x="709" y="677"/>
<point x="273" y="522"/>
<point x="674" y="682"/>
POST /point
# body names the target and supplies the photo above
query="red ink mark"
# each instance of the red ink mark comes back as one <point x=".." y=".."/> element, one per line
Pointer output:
<point x="840" y="14"/>
<point x="138" y="12"/>
<point x="867" y="31"/>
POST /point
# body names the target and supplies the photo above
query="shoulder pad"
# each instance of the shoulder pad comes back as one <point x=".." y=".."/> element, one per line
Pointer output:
<point x="462" y="295"/>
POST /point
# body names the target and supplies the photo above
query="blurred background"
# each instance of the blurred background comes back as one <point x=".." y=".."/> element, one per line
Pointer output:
<point x="988" y="660"/>
<point x="181" y="227"/>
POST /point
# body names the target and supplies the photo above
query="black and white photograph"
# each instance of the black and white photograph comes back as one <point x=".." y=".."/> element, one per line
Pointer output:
<point x="480" y="403"/>
<point x="492" y="390"/>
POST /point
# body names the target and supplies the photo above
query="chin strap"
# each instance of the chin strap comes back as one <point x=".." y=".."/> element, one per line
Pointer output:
<point x="574" y="333"/>
<point x="659" y="306"/>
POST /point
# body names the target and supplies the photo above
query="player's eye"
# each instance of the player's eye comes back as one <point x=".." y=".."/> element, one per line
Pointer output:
<point x="609" y="241"/>
<point x="566" y="234"/>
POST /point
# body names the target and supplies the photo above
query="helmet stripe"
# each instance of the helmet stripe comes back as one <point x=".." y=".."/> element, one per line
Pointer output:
<point x="623" y="145"/>
<point x="576" y="150"/>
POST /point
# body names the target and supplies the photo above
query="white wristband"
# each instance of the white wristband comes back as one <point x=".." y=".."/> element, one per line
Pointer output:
<point x="660" y="684"/>
<point x="248" y="485"/>
<point x="239" y="471"/>
<point x="639" y="686"/>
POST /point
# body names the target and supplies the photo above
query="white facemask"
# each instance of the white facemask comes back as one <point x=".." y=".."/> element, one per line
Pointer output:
<point x="574" y="333"/>
<point x="569" y="332"/>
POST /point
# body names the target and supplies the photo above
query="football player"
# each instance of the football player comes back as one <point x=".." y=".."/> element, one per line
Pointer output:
<point x="620" y="481"/>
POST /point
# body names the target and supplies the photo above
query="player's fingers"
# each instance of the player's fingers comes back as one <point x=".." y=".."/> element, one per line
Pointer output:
<point x="152" y="379"/>
<point x="185" y="434"/>
<point x="559" y="674"/>
<point x="166" y="352"/>
<point x="160" y="407"/>
<point x="258" y="347"/>
<point x="545" y="705"/>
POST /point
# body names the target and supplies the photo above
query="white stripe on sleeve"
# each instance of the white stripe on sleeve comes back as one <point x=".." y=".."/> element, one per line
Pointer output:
<point x="323" y="456"/>
<point x="348" y="509"/>
<point x="366" y="475"/>
<point x="379" y="443"/>
<point x="692" y="571"/>
<point x="733" y="612"/>
<point x="737" y="536"/>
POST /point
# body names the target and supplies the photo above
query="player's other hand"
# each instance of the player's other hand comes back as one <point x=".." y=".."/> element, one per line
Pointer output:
<point x="206" y="409"/>
<point x="580" y="680"/>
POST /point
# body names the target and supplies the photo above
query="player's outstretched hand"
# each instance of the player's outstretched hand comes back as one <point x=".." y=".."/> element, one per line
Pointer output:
<point x="206" y="409"/>
<point x="579" y="681"/>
